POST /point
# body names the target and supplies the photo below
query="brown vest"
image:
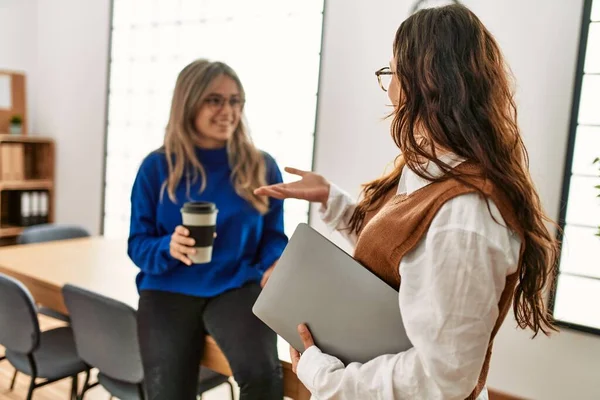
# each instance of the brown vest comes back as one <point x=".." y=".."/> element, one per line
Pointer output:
<point x="401" y="221"/>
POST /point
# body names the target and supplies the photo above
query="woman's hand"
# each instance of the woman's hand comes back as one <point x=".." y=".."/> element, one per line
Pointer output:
<point x="182" y="245"/>
<point x="267" y="275"/>
<point x="307" y="341"/>
<point x="311" y="187"/>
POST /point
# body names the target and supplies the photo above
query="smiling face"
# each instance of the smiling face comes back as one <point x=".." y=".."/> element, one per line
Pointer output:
<point x="220" y="113"/>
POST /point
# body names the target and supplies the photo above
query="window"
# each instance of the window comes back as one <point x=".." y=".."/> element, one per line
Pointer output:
<point x="578" y="285"/>
<point x="274" y="46"/>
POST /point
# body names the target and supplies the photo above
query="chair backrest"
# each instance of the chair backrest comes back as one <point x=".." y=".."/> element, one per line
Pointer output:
<point x="51" y="232"/>
<point x="19" y="326"/>
<point x="105" y="333"/>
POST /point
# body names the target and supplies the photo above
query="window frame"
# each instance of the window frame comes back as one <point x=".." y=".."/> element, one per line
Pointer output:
<point x="107" y="106"/>
<point x="586" y="21"/>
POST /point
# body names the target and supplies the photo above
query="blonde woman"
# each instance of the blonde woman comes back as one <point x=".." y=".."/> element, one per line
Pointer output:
<point x="207" y="156"/>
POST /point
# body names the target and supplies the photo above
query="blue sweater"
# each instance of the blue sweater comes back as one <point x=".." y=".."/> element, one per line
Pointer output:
<point x="247" y="242"/>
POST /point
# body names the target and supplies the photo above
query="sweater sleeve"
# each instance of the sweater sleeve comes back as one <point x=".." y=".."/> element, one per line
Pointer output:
<point x="146" y="247"/>
<point x="273" y="239"/>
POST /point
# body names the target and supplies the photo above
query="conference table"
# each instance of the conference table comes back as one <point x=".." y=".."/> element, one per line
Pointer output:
<point x="101" y="265"/>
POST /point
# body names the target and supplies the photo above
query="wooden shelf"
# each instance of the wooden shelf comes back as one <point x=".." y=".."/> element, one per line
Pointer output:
<point x="6" y="137"/>
<point x="10" y="231"/>
<point x="26" y="165"/>
<point x="30" y="184"/>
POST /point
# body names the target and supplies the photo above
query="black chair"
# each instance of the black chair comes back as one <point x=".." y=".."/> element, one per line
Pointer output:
<point x="49" y="355"/>
<point x="49" y="233"/>
<point x="106" y="338"/>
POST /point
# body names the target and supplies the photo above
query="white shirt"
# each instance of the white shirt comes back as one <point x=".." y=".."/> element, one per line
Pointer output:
<point x="451" y="285"/>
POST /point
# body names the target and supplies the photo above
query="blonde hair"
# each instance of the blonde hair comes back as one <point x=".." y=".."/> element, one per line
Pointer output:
<point x="246" y="161"/>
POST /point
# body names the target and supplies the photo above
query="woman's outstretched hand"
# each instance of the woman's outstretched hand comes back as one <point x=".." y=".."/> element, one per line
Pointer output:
<point x="311" y="187"/>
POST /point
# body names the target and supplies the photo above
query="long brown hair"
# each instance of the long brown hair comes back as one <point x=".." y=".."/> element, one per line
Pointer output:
<point x="456" y="94"/>
<point x="247" y="162"/>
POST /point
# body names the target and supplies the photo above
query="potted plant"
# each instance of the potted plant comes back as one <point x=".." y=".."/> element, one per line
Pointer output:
<point x="597" y="161"/>
<point x="16" y="125"/>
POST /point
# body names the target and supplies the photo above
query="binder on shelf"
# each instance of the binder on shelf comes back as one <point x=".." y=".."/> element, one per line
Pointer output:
<point x="12" y="201"/>
<point x="35" y="208"/>
<point x="25" y="206"/>
<point x="44" y="207"/>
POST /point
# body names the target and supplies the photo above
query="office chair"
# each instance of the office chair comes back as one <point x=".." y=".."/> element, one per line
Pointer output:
<point x="50" y="355"/>
<point x="106" y="338"/>
<point x="49" y="233"/>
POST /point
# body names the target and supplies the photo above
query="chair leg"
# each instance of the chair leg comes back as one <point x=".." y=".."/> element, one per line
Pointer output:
<point x="74" y="387"/>
<point x="141" y="392"/>
<point x="31" y="388"/>
<point x="231" y="390"/>
<point x="14" y="380"/>
<point x="86" y="384"/>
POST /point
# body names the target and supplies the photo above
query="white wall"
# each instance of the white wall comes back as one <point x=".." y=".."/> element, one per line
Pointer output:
<point x="72" y="40"/>
<point x="540" y="40"/>
<point x="18" y="45"/>
<point x="62" y="46"/>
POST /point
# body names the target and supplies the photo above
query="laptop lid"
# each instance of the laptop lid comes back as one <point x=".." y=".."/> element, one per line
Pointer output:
<point x="352" y="314"/>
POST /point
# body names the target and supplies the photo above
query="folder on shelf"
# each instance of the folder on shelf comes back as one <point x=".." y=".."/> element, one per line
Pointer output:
<point x="29" y="207"/>
<point x="18" y="161"/>
<point x="35" y="208"/>
<point x="12" y="162"/>
<point x="25" y="209"/>
<point x="44" y="207"/>
<point x="5" y="162"/>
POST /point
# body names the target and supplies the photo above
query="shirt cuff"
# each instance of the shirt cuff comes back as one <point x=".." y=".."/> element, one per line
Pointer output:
<point x="164" y="252"/>
<point x="266" y="262"/>
<point x="312" y="362"/>
<point x="336" y="206"/>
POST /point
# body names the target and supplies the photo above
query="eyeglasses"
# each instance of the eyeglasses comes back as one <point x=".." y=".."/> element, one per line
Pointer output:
<point x="384" y="77"/>
<point x="216" y="102"/>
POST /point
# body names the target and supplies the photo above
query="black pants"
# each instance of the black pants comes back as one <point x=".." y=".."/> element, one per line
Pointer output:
<point x="171" y="329"/>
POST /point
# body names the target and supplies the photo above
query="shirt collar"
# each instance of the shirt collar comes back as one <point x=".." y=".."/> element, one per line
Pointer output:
<point x="410" y="181"/>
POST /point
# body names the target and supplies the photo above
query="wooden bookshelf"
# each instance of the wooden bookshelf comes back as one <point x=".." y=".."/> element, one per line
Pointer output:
<point x="26" y="170"/>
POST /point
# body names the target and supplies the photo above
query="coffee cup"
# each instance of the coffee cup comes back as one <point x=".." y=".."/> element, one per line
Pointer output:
<point x="200" y="219"/>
